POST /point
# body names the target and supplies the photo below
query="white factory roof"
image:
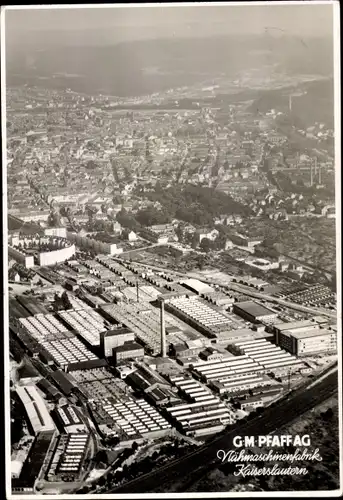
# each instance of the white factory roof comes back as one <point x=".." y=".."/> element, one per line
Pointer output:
<point x="35" y="408"/>
<point x="293" y="325"/>
<point x="198" y="286"/>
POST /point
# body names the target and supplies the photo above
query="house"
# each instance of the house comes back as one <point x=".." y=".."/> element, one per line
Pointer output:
<point x="116" y="228"/>
<point x="205" y="233"/>
<point x="132" y="236"/>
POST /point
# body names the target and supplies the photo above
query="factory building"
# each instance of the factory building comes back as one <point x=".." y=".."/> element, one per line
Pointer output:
<point x="87" y="323"/>
<point x="64" y="382"/>
<point x="271" y="358"/>
<point x="142" y="318"/>
<point x="68" y="420"/>
<point x="128" y="350"/>
<point x="225" y="338"/>
<point x="136" y="419"/>
<point x="21" y="257"/>
<point x="186" y="349"/>
<point x="191" y="389"/>
<point x="32" y="305"/>
<point x="204" y="414"/>
<point x="51" y="393"/>
<point x="226" y="368"/>
<point x="68" y="351"/>
<point x="199" y="315"/>
<point x="34" y="463"/>
<point x="201" y="418"/>
<point x="254" y="312"/>
<point x="69" y="457"/>
<point x="117" y="336"/>
<point x="310" y="342"/>
<point x="251" y="403"/>
<point x="292" y="327"/>
<point x="36" y="409"/>
<point x="239" y="383"/>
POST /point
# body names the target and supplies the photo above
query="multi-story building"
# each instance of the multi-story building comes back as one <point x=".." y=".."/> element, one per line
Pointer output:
<point x="307" y="343"/>
<point x="114" y="338"/>
<point x="129" y="350"/>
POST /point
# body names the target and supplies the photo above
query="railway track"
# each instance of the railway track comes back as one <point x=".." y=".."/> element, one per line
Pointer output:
<point x="268" y="422"/>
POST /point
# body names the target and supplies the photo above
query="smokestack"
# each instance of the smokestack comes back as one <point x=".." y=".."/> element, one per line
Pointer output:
<point x="311" y="174"/>
<point x="315" y="165"/>
<point x="320" y="175"/>
<point x="290" y="103"/>
<point x="163" y="332"/>
<point x="137" y="289"/>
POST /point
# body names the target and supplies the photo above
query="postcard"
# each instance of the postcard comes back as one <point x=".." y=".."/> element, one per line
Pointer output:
<point x="172" y="250"/>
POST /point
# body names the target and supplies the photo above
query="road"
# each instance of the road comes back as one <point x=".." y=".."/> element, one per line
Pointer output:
<point x="248" y="291"/>
<point x="283" y="302"/>
<point x="273" y="418"/>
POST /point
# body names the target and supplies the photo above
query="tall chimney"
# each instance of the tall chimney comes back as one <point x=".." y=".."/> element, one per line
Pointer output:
<point x="311" y="174"/>
<point x="315" y="166"/>
<point x="137" y="289"/>
<point x="163" y="332"/>
<point x="320" y="175"/>
<point x="290" y="102"/>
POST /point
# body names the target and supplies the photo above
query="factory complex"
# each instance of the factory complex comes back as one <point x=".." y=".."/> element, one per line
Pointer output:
<point x="150" y="364"/>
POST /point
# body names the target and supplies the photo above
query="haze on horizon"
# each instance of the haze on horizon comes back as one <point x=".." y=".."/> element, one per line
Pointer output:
<point x="115" y="24"/>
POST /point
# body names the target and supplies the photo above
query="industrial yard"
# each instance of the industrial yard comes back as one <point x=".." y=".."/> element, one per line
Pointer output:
<point x="150" y="356"/>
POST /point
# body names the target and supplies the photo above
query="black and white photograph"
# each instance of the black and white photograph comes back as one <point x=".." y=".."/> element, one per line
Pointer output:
<point x="172" y="250"/>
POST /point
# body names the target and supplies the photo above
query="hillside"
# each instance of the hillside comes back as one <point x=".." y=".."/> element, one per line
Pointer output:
<point x="136" y="68"/>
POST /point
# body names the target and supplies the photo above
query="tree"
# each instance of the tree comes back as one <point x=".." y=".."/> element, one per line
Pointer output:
<point x="65" y="301"/>
<point x="206" y="245"/>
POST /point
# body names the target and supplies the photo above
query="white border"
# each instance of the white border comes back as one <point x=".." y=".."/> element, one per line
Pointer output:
<point x="337" y="128"/>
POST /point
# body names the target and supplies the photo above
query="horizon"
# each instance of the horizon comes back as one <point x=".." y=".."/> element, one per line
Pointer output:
<point x="113" y="24"/>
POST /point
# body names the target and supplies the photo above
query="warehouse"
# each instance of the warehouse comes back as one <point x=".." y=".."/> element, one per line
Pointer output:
<point x="87" y="323"/>
<point x="72" y="458"/>
<point x="142" y="319"/>
<point x="251" y="403"/>
<point x="225" y="338"/>
<point x="192" y="390"/>
<point x="243" y="382"/>
<point x="200" y="418"/>
<point x="16" y="310"/>
<point x="68" y="351"/>
<point x="135" y="419"/>
<point x="254" y="312"/>
<point x="145" y="378"/>
<point x="63" y="381"/>
<point x="197" y="286"/>
<point x="68" y="420"/>
<point x="32" y="305"/>
<point x="271" y="358"/>
<point x="293" y="326"/>
<point x="199" y="315"/>
<point x="129" y="350"/>
<point x="36" y="409"/>
<point x="49" y="390"/>
<point x="310" y="342"/>
<point x="115" y="337"/>
<point x="89" y="364"/>
<point x="45" y="327"/>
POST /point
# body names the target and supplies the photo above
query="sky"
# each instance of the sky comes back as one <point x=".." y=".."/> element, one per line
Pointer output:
<point x="146" y="22"/>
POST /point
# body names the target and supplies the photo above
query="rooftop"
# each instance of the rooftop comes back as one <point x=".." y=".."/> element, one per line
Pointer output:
<point x="128" y="346"/>
<point x="316" y="332"/>
<point x="253" y="308"/>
